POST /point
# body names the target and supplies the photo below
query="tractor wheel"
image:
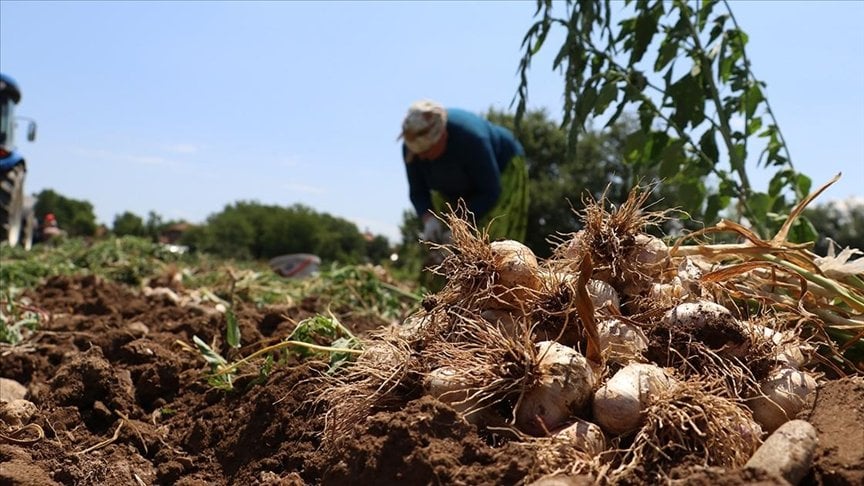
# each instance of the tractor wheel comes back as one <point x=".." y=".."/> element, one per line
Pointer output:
<point x="29" y="226"/>
<point x="12" y="204"/>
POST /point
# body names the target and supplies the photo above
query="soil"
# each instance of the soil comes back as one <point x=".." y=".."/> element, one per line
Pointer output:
<point x="121" y="402"/>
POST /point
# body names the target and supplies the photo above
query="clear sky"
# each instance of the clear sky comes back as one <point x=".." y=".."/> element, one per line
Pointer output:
<point x="185" y="107"/>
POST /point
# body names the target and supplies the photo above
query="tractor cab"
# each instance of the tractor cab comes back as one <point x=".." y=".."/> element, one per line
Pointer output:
<point x="10" y="95"/>
<point x="16" y="219"/>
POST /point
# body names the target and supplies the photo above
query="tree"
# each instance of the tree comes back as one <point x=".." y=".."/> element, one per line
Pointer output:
<point x="74" y="216"/>
<point x="128" y="224"/>
<point x="378" y="249"/>
<point x="247" y="230"/>
<point x="841" y="221"/>
<point x="154" y="225"/>
<point x="690" y="98"/>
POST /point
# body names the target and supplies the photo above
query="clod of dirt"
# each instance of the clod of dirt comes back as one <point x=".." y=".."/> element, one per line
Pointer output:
<point x="89" y="378"/>
<point x="425" y="443"/>
<point x="696" y="345"/>
<point x="17" y="412"/>
<point x="155" y="371"/>
<point x="836" y="410"/>
<point x="24" y="473"/>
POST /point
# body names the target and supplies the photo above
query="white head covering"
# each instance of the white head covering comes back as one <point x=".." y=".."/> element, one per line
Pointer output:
<point x="423" y="125"/>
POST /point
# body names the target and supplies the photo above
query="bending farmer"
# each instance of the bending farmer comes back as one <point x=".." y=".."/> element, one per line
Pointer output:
<point x="452" y="154"/>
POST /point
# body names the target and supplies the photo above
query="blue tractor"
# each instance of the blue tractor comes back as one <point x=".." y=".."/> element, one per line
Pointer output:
<point x="17" y="219"/>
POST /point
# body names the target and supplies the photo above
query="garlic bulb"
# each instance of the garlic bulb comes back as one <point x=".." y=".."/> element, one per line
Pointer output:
<point x="781" y="397"/>
<point x="698" y="314"/>
<point x="603" y="296"/>
<point x="563" y="388"/>
<point x="620" y="341"/>
<point x="450" y="387"/>
<point x="515" y="263"/>
<point x="584" y="436"/>
<point x="788" y="349"/>
<point x="618" y="404"/>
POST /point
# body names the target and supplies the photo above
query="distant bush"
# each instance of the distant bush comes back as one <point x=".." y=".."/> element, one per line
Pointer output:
<point x="249" y="230"/>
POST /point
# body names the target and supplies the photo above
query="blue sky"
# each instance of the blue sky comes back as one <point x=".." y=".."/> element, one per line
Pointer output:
<point x="184" y="107"/>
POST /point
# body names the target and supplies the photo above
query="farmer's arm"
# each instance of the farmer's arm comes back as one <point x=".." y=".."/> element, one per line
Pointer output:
<point x="418" y="190"/>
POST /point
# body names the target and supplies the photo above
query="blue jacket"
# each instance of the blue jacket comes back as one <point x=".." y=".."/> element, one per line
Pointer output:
<point x="477" y="152"/>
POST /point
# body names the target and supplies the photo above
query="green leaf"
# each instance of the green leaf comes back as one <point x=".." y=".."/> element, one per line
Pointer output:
<point x="753" y="97"/>
<point x="626" y="30"/>
<point x="708" y="145"/>
<point x="584" y="105"/>
<point x="803" y="183"/>
<point x="541" y="38"/>
<point x="672" y="158"/>
<point x="232" y="331"/>
<point x="725" y="61"/>
<point x="314" y="330"/>
<point x="759" y="205"/>
<point x="717" y="29"/>
<point x="659" y="142"/>
<point x="688" y="99"/>
<point x="726" y="186"/>
<point x="692" y="193"/>
<point x="716" y="203"/>
<point x="208" y="353"/>
<point x="645" y="28"/>
<point x="668" y="51"/>
<point x="325" y="331"/>
<point x="741" y="39"/>
<point x="803" y="231"/>
<point x="738" y="156"/>
<point x="338" y="360"/>
<point x="638" y="80"/>
<point x="633" y="145"/>
<point x="705" y="11"/>
<point x="778" y="182"/>
<point x="608" y="94"/>
<point x="667" y="80"/>
<point x="646" y="115"/>
<point x="754" y="125"/>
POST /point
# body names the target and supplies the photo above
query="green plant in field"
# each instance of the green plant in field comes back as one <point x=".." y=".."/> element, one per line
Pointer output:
<point x="218" y="378"/>
<point x="128" y="260"/>
<point x="23" y="269"/>
<point x="314" y="330"/>
<point x="361" y="290"/>
<point x="167" y="411"/>
<point x="17" y="320"/>
<point x="315" y="337"/>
